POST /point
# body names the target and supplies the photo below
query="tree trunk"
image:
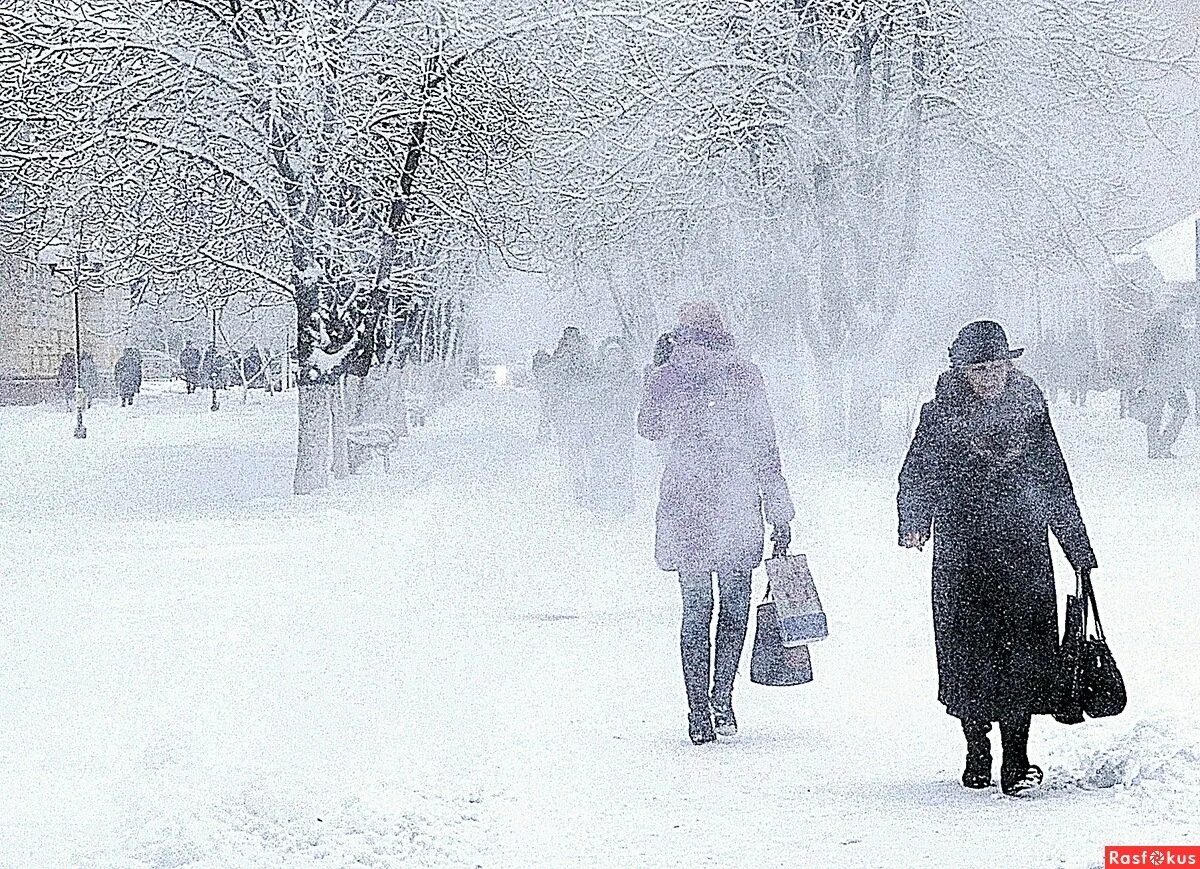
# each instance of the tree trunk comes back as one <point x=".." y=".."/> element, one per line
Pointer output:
<point x="397" y="400"/>
<point x="313" y="438"/>
<point x="341" y="448"/>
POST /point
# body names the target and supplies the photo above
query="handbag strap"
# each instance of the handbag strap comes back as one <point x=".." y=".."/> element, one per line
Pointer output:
<point x="1090" y="593"/>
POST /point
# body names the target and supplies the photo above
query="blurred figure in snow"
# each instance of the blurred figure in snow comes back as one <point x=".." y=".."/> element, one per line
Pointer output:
<point x="985" y="476"/>
<point x="252" y="367"/>
<point x="128" y="376"/>
<point x="189" y="359"/>
<point x="541" y="384"/>
<point x="66" y="377"/>
<point x="1048" y="365"/>
<point x="1078" y="363"/>
<point x="722" y="474"/>
<point x="208" y="367"/>
<point x="618" y="391"/>
<point x="89" y="378"/>
<point x="1164" y="375"/>
<point x="572" y="384"/>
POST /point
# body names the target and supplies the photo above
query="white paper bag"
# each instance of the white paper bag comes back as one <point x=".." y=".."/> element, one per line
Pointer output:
<point x="801" y="617"/>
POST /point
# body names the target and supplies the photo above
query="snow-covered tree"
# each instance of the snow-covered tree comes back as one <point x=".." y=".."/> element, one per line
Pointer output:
<point x="320" y="149"/>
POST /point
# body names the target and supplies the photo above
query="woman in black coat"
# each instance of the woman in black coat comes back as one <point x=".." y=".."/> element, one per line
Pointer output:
<point x="986" y="475"/>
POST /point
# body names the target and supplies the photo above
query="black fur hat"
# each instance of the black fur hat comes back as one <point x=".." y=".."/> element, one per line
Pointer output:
<point x="981" y="341"/>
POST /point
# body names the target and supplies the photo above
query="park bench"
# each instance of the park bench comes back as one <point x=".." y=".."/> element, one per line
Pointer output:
<point x="371" y="440"/>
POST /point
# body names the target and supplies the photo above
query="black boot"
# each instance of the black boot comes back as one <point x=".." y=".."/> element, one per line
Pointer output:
<point x="1017" y="774"/>
<point x="978" y="772"/>
<point x="731" y="638"/>
<point x="723" y="717"/>
<point x="696" y="653"/>
<point x="700" y="727"/>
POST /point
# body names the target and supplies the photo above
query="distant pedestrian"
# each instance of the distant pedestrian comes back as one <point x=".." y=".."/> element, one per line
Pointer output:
<point x="722" y="475"/>
<point x="128" y="376"/>
<point x="89" y="379"/>
<point x="617" y="395"/>
<point x="1048" y="365"/>
<point x="1164" y="376"/>
<point x="67" y="376"/>
<point x="572" y="381"/>
<point x="189" y="358"/>
<point x="985" y="476"/>
<point x="1078" y="363"/>
<point x="541" y="385"/>
<point x="252" y="366"/>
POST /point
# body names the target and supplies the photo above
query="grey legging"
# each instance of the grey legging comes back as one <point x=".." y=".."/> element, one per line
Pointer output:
<point x="694" y="647"/>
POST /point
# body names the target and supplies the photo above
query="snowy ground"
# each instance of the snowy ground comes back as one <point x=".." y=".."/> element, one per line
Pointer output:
<point x="452" y="666"/>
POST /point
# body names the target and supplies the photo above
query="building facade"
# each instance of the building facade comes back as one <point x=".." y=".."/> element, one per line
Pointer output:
<point x="37" y="328"/>
<point x="36" y="321"/>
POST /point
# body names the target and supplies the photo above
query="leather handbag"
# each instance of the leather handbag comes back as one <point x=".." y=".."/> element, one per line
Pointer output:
<point x="1087" y="681"/>
<point x="1102" y="685"/>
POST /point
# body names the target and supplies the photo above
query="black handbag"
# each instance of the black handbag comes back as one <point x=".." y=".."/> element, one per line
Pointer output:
<point x="1087" y="681"/>
<point x="771" y="662"/>
<point x="1102" y="686"/>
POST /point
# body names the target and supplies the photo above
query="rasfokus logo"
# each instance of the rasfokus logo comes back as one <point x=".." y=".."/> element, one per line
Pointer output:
<point x="1152" y="855"/>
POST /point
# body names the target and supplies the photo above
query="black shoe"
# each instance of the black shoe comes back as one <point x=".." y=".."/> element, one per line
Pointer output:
<point x="1019" y="780"/>
<point x="700" y="728"/>
<point x="724" y="719"/>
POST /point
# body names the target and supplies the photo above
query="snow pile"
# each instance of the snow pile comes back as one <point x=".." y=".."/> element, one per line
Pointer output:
<point x="1158" y="757"/>
<point x="257" y="827"/>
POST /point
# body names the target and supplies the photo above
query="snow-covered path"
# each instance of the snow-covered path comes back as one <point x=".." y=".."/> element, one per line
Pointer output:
<point x="452" y="666"/>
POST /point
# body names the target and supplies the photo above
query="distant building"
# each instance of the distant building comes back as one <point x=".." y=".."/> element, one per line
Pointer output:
<point x="36" y="325"/>
<point x="1174" y="251"/>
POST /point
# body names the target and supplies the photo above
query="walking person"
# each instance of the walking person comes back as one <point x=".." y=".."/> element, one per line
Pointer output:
<point x="722" y="474"/>
<point x="617" y="396"/>
<point x="1078" y="365"/>
<point x="1163" y="377"/>
<point x="66" y="378"/>
<point x="572" y="384"/>
<point x="189" y="358"/>
<point x="128" y="376"/>
<point x="89" y="379"/>
<point x="985" y="475"/>
<point x="540" y="369"/>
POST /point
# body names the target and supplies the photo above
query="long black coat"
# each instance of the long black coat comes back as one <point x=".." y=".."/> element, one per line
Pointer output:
<point x="989" y="477"/>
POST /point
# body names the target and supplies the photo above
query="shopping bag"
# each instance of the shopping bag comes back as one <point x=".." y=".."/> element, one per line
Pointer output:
<point x="772" y="663"/>
<point x="801" y="617"/>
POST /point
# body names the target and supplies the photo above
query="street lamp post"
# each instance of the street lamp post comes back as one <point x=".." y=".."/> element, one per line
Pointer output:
<point x="212" y="368"/>
<point x="56" y="255"/>
<point x="80" y="398"/>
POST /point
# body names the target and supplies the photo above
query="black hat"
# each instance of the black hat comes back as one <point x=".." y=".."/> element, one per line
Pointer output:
<point x="981" y="341"/>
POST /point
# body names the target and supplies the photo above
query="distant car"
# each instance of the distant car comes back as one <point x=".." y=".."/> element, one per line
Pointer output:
<point x="497" y="372"/>
<point x="157" y="365"/>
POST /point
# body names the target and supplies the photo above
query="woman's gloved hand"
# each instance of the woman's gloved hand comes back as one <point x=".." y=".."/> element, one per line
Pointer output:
<point x="781" y="536"/>
<point x="663" y="348"/>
